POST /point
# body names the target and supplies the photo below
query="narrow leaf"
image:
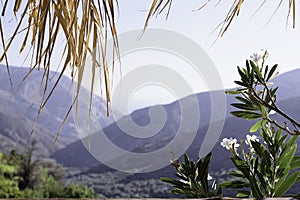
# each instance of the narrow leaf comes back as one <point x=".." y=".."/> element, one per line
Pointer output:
<point x="271" y="72"/>
<point x="246" y="115"/>
<point x="256" y="126"/>
<point x="287" y="184"/>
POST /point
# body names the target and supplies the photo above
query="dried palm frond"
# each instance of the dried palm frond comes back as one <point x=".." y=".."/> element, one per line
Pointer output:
<point x="84" y="24"/>
<point x="236" y="8"/>
<point x="159" y="5"/>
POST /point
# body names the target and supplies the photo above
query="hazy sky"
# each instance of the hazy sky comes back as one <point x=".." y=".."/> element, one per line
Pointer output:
<point x="246" y="35"/>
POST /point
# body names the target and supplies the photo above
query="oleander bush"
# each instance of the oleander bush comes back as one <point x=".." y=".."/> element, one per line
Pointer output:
<point x="265" y="163"/>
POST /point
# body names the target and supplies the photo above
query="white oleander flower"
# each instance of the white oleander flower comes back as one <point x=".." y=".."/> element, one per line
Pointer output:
<point x="272" y="112"/>
<point x="229" y="143"/>
<point x="259" y="56"/>
<point x="256" y="57"/>
<point x="250" y="138"/>
<point x="209" y="177"/>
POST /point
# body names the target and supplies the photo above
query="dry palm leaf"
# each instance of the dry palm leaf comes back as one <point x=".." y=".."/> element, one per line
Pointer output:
<point x="236" y="8"/>
<point x="85" y="26"/>
<point x="158" y="6"/>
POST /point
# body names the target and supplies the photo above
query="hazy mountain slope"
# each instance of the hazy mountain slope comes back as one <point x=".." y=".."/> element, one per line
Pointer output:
<point x="19" y="110"/>
<point x="80" y="157"/>
<point x="15" y="133"/>
<point x="233" y="127"/>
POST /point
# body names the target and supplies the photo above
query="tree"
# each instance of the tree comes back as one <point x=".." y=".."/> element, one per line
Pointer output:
<point x="39" y="179"/>
<point x="78" y="191"/>
<point x="8" y="181"/>
<point x="28" y="166"/>
<point x="33" y="170"/>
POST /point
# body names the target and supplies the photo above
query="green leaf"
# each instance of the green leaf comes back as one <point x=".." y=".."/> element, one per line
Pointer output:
<point x="232" y="92"/>
<point x="244" y="106"/>
<point x="266" y="71"/>
<point x="287" y="184"/>
<point x="246" y="101"/>
<point x="256" y="126"/>
<point x="243" y="193"/>
<point x="261" y="179"/>
<point x="246" y="115"/>
<point x="257" y="71"/>
<point x="291" y="141"/>
<point x="172" y="181"/>
<point x="241" y="165"/>
<point x="286" y="156"/>
<point x="282" y="139"/>
<point x="237" y="174"/>
<point x="243" y="75"/>
<point x="272" y="94"/>
<point x="203" y="170"/>
<point x="271" y="72"/>
<point x="248" y="66"/>
<point x="241" y="83"/>
<point x="234" y="184"/>
<point x="262" y="152"/>
<point x="186" y="158"/>
<point x="295" y="162"/>
<point x="255" y="188"/>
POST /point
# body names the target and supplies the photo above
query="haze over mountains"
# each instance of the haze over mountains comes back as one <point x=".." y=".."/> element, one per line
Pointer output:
<point x="18" y="111"/>
<point x="17" y="120"/>
<point x="288" y="96"/>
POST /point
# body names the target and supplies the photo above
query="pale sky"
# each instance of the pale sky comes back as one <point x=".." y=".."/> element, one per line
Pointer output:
<point x="245" y="36"/>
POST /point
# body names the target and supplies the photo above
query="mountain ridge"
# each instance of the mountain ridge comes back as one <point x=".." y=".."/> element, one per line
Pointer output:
<point x="114" y="133"/>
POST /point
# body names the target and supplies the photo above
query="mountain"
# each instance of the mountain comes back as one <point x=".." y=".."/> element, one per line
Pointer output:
<point x="93" y="172"/>
<point x="80" y="157"/>
<point x="19" y="107"/>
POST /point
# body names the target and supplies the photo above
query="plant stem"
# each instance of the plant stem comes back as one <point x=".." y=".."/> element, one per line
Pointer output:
<point x="279" y="111"/>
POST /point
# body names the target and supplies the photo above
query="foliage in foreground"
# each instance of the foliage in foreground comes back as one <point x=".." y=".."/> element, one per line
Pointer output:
<point x="194" y="180"/>
<point x="257" y="96"/>
<point x="22" y="176"/>
<point x="264" y="169"/>
<point x="8" y="183"/>
<point x="268" y="168"/>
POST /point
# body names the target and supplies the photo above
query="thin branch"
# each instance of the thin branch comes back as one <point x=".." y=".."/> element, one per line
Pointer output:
<point x="275" y="108"/>
<point x="285" y="128"/>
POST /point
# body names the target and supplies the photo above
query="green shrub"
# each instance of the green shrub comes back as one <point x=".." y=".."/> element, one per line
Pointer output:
<point x="193" y="179"/>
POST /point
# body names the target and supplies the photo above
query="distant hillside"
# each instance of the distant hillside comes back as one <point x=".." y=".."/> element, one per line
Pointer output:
<point x="233" y="127"/>
<point x="80" y="157"/>
<point x="18" y="111"/>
